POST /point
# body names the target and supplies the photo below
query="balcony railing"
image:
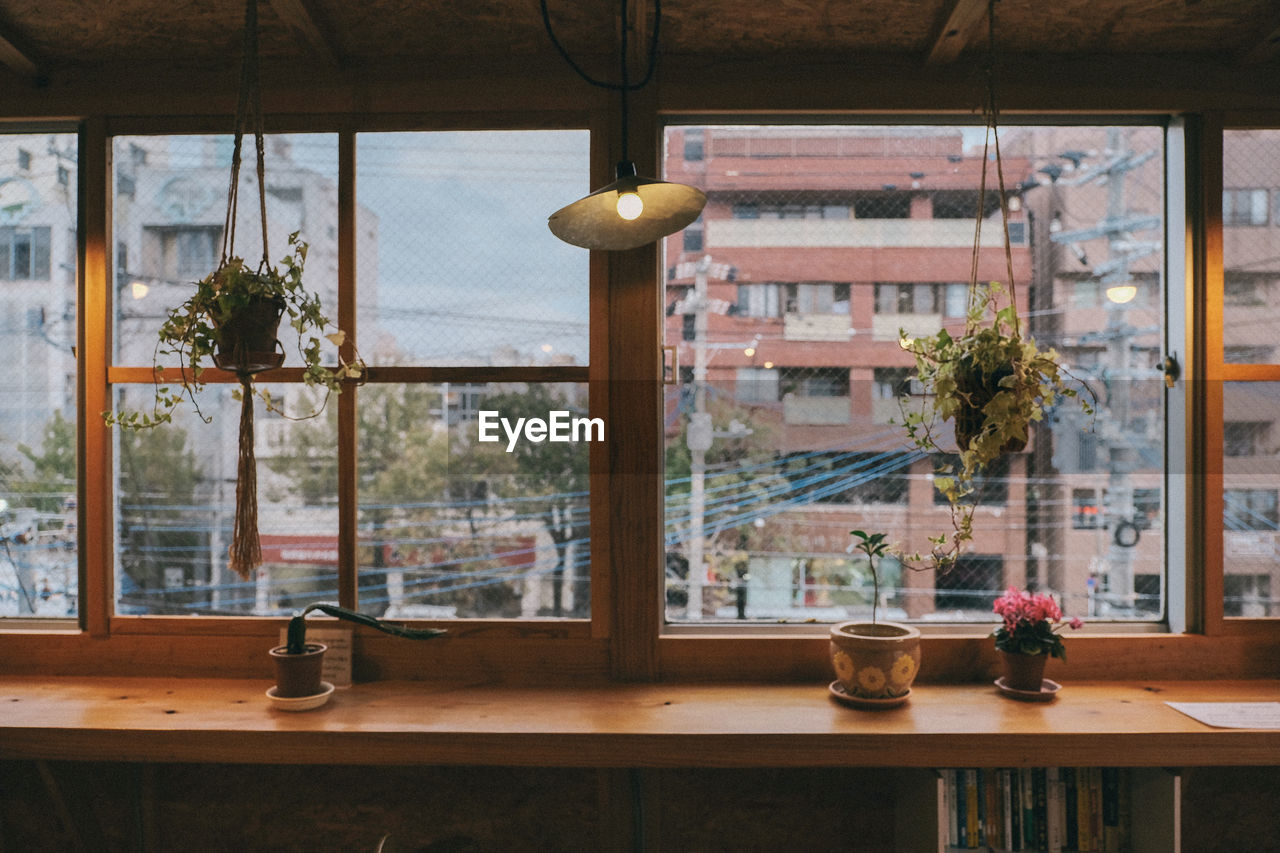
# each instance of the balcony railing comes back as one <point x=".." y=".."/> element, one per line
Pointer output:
<point x="850" y="233"/>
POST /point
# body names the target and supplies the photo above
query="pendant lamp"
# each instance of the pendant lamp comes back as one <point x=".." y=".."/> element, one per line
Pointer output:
<point x="632" y="211"/>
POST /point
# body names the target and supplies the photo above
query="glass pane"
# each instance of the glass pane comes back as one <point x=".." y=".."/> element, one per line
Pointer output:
<point x="435" y="285"/>
<point x="781" y="437"/>
<point x="38" y="544"/>
<point x="458" y="519"/>
<point x="175" y="493"/>
<point x="1251" y="274"/>
<point x="170" y="207"/>
<point x="1250" y="480"/>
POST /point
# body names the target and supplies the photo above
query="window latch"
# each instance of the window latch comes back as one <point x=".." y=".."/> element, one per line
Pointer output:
<point x="671" y="371"/>
<point x="1171" y="369"/>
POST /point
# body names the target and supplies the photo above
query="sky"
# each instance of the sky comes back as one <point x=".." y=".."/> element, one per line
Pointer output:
<point x="466" y="262"/>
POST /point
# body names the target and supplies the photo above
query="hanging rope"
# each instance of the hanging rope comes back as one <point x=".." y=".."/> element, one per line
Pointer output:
<point x="248" y="109"/>
<point x="245" y="552"/>
<point x="992" y="135"/>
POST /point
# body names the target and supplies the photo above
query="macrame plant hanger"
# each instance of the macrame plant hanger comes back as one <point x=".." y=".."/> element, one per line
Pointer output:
<point x="991" y="139"/>
<point x="245" y="553"/>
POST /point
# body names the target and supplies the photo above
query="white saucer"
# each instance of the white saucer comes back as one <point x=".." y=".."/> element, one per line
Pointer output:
<point x="300" y="703"/>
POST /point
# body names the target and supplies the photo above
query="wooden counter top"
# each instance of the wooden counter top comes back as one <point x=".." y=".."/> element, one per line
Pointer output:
<point x="642" y="725"/>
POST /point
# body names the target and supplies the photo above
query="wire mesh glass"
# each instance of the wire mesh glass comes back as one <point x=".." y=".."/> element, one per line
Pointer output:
<point x="820" y="247"/>
<point x="38" y="412"/>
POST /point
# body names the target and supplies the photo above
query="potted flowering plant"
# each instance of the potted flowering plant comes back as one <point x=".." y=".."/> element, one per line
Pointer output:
<point x="1029" y="636"/>
<point x="875" y="662"/>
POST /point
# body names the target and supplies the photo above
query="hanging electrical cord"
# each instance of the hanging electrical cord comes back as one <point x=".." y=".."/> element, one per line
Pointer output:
<point x="632" y="211"/>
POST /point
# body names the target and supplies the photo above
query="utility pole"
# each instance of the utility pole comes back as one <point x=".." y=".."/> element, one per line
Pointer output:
<point x="698" y="438"/>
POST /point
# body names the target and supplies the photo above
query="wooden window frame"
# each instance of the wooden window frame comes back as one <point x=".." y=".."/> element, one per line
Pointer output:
<point x="625" y="639"/>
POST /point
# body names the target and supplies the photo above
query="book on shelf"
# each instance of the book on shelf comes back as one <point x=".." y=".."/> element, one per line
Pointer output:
<point x="1049" y="809"/>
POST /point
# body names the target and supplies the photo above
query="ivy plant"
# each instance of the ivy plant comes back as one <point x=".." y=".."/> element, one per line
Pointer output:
<point x="190" y="334"/>
<point x="991" y="384"/>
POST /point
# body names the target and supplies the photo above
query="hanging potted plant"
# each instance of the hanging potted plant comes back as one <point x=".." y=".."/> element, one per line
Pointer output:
<point x="299" y="663"/>
<point x="233" y="318"/>
<point x="991" y="382"/>
<point x="875" y="662"/>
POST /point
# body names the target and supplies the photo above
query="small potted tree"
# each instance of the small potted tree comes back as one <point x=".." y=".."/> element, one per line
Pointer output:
<point x="299" y="663"/>
<point x="875" y="662"/>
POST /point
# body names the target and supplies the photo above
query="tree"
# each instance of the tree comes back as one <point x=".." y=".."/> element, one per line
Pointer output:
<point x="161" y="525"/>
<point x="417" y="482"/>
<point x="551" y="477"/>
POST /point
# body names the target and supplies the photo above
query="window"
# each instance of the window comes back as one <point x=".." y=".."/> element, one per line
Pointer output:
<point x="448" y="523"/>
<point x="693" y="236"/>
<point x="814" y="381"/>
<point x="1251" y="509"/>
<point x="24" y="253"/>
<point x="922" y="299"/>
<point x="39" y="576"/>
<point x="1041" y="521"/>
<point x="1248" y="595"/>
<point x="693" y="149"/>
<point x="1085" y="509"/>
<point x="180" y="253"/>
<point x="759" y="524"/>
<point x="1244" y="207"/>
<point x="817" y="298"/>
<point x="890" y="383"/>
<point x="1245" y="438"/>
<point x="1244" y="289"/>
<point x="759" y="300"/>
<point x="887" y="205"/>
<point x="972" y="585"/>
<point x="756" y="385"/>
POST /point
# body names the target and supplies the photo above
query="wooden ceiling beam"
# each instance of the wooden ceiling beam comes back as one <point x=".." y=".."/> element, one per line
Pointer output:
<point x="295" y="15"/>
<point x="960" y="27"/>
<point x="1265" y="50"/>
<point x="15" y="60"/>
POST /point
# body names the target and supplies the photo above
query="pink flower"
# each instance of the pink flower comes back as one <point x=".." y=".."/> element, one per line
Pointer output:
<point x="1075" y="622"/>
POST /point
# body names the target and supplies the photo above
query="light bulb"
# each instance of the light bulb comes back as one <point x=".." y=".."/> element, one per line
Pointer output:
<point x="1122" y="293"/>
<point x="630" y="206"/>
<point x="749" y="352"/>
<point x="139" y="289"/>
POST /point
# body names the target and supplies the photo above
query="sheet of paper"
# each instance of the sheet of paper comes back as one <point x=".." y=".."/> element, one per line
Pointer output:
<point x="1232" y="715"/>
<point x="337" y="661"/>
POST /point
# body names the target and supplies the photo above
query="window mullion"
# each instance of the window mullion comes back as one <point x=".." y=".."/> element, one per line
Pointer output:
<point x="93" y="337"/>
<point x="348" y="513"/>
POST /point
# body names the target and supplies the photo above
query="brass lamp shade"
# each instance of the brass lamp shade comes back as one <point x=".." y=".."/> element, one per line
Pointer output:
<point x="593" y="222"/>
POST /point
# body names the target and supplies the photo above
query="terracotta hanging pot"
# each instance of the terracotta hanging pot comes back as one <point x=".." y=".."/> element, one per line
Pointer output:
<point x="247" y="341"/>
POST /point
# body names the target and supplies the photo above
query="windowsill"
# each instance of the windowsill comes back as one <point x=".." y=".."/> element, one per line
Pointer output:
<point x="649" y="725"/>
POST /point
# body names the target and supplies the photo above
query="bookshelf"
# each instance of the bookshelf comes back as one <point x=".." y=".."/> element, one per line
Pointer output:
<point x="1049" y="809"/>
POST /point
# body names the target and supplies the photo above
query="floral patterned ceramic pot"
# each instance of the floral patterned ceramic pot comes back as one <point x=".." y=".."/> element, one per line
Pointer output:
<point x="875" y="661"/>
